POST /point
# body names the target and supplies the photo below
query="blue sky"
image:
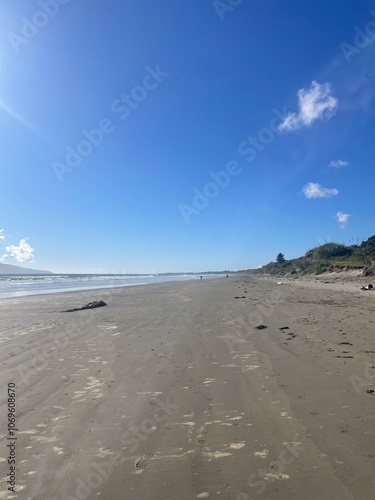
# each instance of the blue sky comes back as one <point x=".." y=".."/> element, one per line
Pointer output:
<point x="117" y="116"/>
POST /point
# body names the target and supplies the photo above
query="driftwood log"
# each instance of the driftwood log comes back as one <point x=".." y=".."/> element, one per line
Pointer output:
<point x="90" y="305"/>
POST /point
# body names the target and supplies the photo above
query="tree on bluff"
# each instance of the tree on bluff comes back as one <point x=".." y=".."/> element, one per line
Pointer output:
<point x="280" y="259"/>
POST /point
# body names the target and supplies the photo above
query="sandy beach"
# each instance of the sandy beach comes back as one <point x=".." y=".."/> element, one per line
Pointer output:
<point x="172" y="392"/>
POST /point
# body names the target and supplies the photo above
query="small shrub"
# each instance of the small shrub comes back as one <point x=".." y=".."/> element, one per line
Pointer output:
<point x="320" y="269"/>
<point x="330" y="250"/>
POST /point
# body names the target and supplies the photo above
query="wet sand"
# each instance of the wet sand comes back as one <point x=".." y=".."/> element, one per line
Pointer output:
<point x="171" y="392"/>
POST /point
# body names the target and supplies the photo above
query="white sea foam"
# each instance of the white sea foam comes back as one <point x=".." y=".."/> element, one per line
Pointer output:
<point x="19" y="286"/>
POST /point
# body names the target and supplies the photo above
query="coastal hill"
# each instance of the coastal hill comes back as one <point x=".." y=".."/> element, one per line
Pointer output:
<point x="327" y="258"/>
<point x="8" y="269"/>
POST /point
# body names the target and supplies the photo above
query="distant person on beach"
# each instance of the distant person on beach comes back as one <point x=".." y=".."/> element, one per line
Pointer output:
<point x="201" y="277"/>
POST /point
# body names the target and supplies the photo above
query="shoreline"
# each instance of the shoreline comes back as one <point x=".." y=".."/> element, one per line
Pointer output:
<point x="172" y="392"/>
<point x="53" y="292"/>
<point x="351" y="278"/>
<point x="75" y="293"/>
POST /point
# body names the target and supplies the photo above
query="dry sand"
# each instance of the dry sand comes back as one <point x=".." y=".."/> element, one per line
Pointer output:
<point x="170" y="392"/>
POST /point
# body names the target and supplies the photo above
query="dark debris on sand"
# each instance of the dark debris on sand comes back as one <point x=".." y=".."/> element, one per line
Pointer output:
<point x="90" y="305"/>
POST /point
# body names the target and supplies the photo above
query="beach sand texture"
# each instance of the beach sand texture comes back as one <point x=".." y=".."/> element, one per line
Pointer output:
<point x="171" y="392"/>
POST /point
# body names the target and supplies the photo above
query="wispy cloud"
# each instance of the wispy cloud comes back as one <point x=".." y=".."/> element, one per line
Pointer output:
<point x="22" y="252"/>
<point x="19" y="118"/>
<point x="314" y="190"/>
<point x="2" y="237"/>
<point x="338" y="163"/>
<point x="11" y="112"/>
<point x="343" y="219"/>
<point x="314" y="103"/>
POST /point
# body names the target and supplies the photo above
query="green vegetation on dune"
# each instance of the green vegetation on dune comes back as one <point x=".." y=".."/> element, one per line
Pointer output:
<point x="327" y="258"/>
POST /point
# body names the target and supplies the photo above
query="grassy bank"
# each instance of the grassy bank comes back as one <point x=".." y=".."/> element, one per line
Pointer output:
<point x="327" y="258"/>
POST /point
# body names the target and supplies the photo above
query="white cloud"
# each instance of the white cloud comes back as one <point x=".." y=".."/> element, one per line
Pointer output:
<point x="314" y="103"/>
<point x="343" y="219"/>
<point x="314" y="190"/>
<point x="23" y="252"/>
<point x="339" y="163"/>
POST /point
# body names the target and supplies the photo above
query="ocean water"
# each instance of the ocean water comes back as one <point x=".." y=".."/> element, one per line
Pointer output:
<point x="19" y="286"/>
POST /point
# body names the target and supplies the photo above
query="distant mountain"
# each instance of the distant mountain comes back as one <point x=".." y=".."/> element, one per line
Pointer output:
<point x="9" y="269"/>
